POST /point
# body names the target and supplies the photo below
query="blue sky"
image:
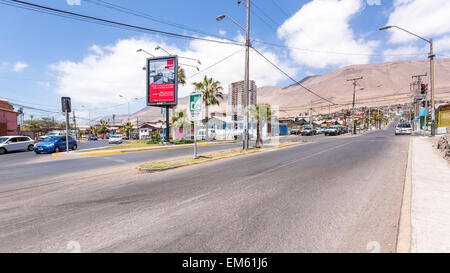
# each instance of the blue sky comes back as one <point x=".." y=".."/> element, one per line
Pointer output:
<point x="43" y="57"/>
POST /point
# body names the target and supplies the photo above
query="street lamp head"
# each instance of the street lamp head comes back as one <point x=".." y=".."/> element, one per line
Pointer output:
<point x="386" y="27"/>
<point x="221" y="17"/>
<point x="157" y="47"/>
<point x="139" y="50"/>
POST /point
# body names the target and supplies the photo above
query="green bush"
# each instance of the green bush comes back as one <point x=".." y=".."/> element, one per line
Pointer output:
<point x="155" y="139"/>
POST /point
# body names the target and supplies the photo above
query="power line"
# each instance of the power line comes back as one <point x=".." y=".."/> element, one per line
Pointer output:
<point x="222" y="60"/>
<point x="282" y="10"/>
<point x="265" y="14"/>
<point x="338" y="53"/>
<point x="97" y="19"/>
<point x="287" y="75"/>
<point x="147" y="16"/>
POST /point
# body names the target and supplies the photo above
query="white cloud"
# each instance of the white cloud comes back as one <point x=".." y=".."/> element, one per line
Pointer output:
<point x="374" y="2"/>
<point x="43" y="84"/>
<point x="323" y="25"/>
<point x="222" y="32"/>
<point x="19" y="66"/>
<point x="423" y="17"/>
<point x="98" y="79"/>
<point x="73" y="2"/>
<point x="400" y="53"/>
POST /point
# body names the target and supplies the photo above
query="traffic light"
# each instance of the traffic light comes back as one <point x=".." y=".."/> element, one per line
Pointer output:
<point x="423" y="88"/>
<point x="423" y="104"/>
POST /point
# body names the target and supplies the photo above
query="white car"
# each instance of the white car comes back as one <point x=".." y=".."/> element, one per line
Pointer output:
<point x="115" y="140"/>
<point x="201" y="134"/>
<point x="15" y="143"/>
<point x="403" y="129"/>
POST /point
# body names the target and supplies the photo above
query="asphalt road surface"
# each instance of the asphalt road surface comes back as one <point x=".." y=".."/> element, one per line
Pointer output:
<point x="337" y="194"/>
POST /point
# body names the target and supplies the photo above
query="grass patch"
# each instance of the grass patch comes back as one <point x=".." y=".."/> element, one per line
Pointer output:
<point x="187" y="161"/>
<point x="137" y="144"/>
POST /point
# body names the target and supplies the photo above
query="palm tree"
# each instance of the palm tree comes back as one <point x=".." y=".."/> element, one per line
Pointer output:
<point x="261" y="112"/>
<point x="127" y="127"/>
<point x="103" y="126"/>
<point x="181" y="76"/>
<point x="212" y="92"/>
<point x="180" y="120"/>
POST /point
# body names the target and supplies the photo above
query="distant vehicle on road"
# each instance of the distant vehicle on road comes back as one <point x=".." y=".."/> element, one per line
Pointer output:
<point x="15" y="143"/>
<point x="403" y="129"/>
<point x="320" y="130"/>
<point x="92" y="137"/>
<point x="115" y="140"/>
<point x="308" y="131"/>
<point x="295" y="131"/>
<point x="54" y="144"/>
<point x="332" y="131"/>
<point x="201" y="134"/>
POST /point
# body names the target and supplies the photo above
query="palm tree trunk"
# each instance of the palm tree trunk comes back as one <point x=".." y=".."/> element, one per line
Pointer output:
<point x="207" y="119"/>
<point x="258" y="135"/>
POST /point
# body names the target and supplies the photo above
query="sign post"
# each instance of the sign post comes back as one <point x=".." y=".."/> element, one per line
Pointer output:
<point x="195" y="110"/>
<point x="66" y="108"/>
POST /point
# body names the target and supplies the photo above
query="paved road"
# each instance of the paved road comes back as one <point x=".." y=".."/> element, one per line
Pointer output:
<point x="337" y="194"/>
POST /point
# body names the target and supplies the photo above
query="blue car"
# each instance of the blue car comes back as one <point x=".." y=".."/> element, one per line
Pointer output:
<point x="54" y="144"/>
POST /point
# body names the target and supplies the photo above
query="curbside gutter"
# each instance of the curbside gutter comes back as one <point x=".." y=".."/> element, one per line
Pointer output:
<point x="404" y="228"/>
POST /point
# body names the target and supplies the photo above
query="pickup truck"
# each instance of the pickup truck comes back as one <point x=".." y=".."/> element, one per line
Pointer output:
<point x="332" y="131"/>
<point x="308" y="131"/>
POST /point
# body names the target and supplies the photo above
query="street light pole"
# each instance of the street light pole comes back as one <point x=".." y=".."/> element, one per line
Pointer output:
<point x="247" y="78"/>
<point x="431" y="57"/>
<point x="355" y="82"/>
<point x="246" y="99"/>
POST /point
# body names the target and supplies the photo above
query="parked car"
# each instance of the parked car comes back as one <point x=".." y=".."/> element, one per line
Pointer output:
<point x="115" y="140"/>
<point x="295" y="131"/>
<point x="320" y="130"/>
<point x="403" y="129"/>
<point x="92" y="137"/>
<point x="15" y="143"/>
<point x="54" y="144"/>
<point x="201" y="134"/>
<point x="332" y="131"/>
<point x="308" y="131"/>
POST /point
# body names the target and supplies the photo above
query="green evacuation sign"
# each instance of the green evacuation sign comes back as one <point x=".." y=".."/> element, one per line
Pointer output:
<point x="195" y="106"/>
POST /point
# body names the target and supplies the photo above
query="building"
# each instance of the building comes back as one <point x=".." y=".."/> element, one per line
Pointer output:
<point x="236" y="97"/>
<point x="148" y="128"/>
<point x="8" y="119"/>
<point x="442" y="118"/>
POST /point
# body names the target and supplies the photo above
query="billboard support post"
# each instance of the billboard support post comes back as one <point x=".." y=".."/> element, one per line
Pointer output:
<point x="167" y="125"/>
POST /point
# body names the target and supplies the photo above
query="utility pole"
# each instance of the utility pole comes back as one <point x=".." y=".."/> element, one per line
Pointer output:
<point x="417" y="83"/>
<point x="75" y="124"/>
<point x="355" y="83"/>
<point x="370" y="120"/>
<point x="247" y="79"/>
<point x="310" y="115"/>
<point x="433" y="118"/>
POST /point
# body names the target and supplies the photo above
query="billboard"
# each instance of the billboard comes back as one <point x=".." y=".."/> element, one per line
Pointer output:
<point x="162" y="81"/>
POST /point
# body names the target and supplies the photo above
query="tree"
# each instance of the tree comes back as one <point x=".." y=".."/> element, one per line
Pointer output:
<point x="212" y="92"/>
<point x="127" y="127"/>
<point x="32" y="125"/>
<point x="103" y="126"/>
<point x="180" y="120"/>
<point x="181" y="76"/>
<point x="344" y="113"/>
<point x="261" y="113"/>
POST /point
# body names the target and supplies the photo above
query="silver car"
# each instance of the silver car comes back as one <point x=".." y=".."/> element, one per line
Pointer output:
<point x="15" y="143"/>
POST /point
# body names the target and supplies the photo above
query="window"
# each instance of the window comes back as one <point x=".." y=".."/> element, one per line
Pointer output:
<point x="13" y="140"/>
<point x="23" y="139"/>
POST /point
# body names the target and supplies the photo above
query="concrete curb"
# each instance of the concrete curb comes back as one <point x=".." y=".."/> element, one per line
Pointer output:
<point x="404" y="229"/>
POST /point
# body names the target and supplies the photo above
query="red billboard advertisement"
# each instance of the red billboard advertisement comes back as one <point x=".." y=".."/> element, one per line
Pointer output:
<point x="162" y="77"/>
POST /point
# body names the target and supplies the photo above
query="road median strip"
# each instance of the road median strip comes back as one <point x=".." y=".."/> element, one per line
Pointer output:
<point x="134" y="150"/>
<point x="163" y="165"/>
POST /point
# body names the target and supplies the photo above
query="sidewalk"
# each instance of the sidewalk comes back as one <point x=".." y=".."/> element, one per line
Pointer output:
<point x="430" y="204"/>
